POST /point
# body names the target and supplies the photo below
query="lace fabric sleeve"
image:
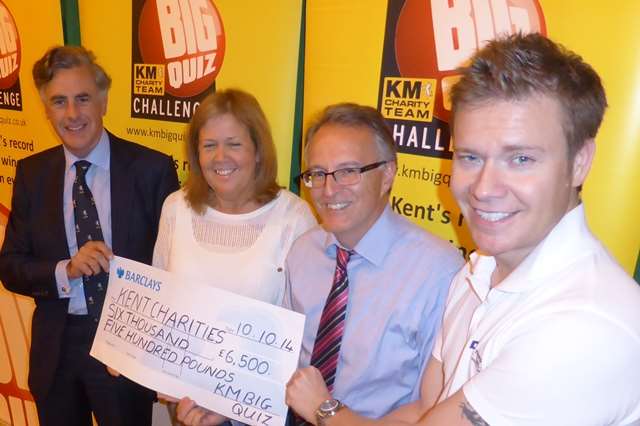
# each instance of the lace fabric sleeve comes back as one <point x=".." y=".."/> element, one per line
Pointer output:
<point x="300" y="220"/>
<point x="306" y="219"/>
<point x="165" y="232"/>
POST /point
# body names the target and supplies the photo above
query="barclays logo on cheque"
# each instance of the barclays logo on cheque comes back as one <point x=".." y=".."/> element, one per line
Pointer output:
<point x="139" y="279"/>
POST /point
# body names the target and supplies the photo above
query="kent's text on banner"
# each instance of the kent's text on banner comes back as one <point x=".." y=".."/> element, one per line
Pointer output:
<point x="232" y="354"/>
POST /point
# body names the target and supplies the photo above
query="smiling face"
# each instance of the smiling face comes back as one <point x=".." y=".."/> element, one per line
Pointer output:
<point x="512" y="176"/>
<point x="227" y="157"/>
<point x="348" y="211"/>
<point x="75" y="106"/>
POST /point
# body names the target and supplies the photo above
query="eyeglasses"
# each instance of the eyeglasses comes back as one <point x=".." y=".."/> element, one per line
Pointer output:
<point x="346" y="176"/>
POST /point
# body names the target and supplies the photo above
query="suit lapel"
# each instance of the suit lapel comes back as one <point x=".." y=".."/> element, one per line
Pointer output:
<point x="121" y="194"/>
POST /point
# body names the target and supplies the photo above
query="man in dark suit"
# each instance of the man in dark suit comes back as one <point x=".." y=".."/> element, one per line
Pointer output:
<point x="48" y="255"/>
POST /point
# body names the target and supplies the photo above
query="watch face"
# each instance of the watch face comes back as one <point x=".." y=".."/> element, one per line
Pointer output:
<point x="329" y="405"/>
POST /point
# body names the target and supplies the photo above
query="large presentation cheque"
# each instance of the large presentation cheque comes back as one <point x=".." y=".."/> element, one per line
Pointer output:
<point x="229" y="353"/>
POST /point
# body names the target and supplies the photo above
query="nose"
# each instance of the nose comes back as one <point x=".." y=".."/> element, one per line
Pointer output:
<point x="330" y="186"/>
<point x="71" y="110"/>
<point x="488" y="182"/>
<point x="219" y="153"/>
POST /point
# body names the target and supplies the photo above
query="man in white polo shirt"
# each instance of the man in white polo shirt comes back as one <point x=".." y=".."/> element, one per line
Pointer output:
<point x="542" y="326"/>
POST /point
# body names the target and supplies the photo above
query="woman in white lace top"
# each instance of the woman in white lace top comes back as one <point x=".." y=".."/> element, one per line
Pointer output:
<point x="231" y="226"/>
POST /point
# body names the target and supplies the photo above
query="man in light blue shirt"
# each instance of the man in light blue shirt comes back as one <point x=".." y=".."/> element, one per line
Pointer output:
<point x="398" y="274"/>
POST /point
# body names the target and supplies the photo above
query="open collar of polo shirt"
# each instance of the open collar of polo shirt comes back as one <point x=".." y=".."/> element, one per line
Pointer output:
<point x="569" y="240"/>
<point x="479" y="272"/>
<point x="373" y="246"/>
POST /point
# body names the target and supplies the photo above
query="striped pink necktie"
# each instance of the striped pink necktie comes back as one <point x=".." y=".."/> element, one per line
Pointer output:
<point x="327" y="346"/>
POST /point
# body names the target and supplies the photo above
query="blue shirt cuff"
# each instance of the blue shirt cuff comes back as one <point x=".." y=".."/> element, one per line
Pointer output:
<point x="65" y="286"/>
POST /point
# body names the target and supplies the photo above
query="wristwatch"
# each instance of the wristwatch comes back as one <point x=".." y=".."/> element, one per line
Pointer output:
<point x="327" y="409"/>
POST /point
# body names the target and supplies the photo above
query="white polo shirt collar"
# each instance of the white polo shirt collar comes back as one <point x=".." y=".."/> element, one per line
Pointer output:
<point x="557" y="249"/>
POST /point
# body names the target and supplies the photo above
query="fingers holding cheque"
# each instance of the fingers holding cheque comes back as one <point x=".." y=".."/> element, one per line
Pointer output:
<point x="91" y="259"/>
<point x="191" y="414"/>
<point x="306" y="390"/>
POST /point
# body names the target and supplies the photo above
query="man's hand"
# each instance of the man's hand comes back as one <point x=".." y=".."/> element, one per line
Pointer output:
<point x="92" y="258"/>
<point x="306" y="390"/>
<point x="112" y="372"/>
<point x="190" y="414"/>
<point x="167" y="398"/>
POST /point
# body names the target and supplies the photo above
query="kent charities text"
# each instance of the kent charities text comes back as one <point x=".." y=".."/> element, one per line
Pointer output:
<point x="167" y="334"/>
<point x="138" y="319"/>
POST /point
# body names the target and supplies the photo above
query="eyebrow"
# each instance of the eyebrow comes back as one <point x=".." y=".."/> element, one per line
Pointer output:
<point x="77" y="95"/>
<point x="506" y="148"/>
<point x="345" y="165"/>
<point x="516" y="147"/>
<point x="57" y="97"/>
<point x="228" y="139"/>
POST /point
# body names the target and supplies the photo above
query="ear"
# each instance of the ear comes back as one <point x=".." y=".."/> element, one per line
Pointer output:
<point x="582" y="163"/>
<point x="45" y="104"/>
<point x="388" y="175"/>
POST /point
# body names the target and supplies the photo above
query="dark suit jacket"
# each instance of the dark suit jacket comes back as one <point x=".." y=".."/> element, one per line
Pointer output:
<point x="35" y="238"/>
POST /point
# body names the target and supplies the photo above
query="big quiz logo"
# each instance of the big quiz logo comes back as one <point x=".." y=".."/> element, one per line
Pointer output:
<point x="10" y="56"/>
<point x="425" y="42"/>
<point x="178" y="48"/>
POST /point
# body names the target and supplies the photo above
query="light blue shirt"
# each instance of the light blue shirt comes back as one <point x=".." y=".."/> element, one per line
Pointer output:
<point x="99" y="182"/>
<point x="399" y="277"/>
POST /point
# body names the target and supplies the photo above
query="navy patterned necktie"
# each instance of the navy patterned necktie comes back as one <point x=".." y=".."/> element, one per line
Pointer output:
<point x="88" y="229"/>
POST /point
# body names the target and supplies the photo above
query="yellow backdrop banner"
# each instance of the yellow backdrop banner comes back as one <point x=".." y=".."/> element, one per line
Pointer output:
<point x="27" y="30"/>
<point x="164" y="60"/>
<point x="401" y="55"/>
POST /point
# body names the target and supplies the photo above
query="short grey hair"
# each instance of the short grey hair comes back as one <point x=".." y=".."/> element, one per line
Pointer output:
<point x="67" y="57"/>
<point x="354" y="115"/>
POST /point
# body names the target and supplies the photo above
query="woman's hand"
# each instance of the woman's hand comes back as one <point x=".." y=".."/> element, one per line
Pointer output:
<point x="191" y="414"/>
